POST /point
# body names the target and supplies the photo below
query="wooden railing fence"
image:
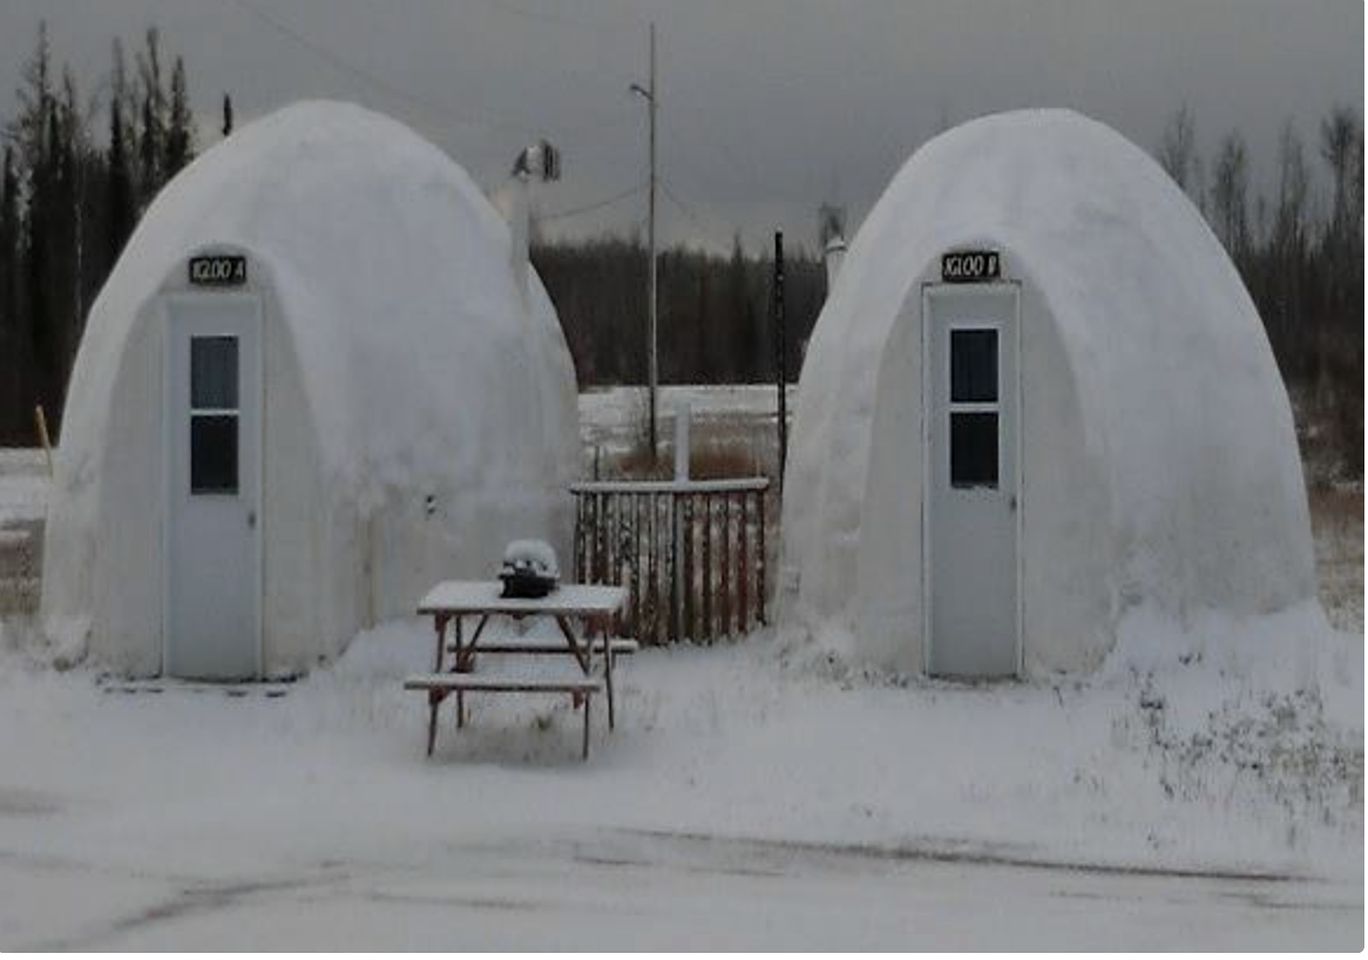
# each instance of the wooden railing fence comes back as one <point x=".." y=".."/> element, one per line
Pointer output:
<point x="690" y="552"/>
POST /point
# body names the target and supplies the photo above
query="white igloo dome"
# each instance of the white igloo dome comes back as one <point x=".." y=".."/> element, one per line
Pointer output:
<point x="1145" y="450"/>
<point x="405" y="409"/>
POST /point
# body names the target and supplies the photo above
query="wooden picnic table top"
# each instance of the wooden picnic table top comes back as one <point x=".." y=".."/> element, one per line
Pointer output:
<point x="483" y="596"/>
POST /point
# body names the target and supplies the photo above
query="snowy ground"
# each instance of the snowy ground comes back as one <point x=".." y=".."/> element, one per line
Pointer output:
<point x="753" y="795"/>
<point x="750" y="797"/>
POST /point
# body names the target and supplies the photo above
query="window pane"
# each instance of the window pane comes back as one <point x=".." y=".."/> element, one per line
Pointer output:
<point x="214" y="373"/>
<point x="214" y="453"/>
<point x="973" y="366"/>
<point x="973" y="450"/>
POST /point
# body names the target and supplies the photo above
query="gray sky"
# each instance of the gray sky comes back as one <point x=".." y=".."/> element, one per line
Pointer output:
<point x="767" y="106"/>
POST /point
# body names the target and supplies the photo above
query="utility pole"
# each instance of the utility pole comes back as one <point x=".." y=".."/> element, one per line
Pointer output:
<point x="781" y="352"/>
<point x="653" y="366"/>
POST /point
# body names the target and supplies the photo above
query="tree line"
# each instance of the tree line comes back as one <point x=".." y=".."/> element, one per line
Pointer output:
<point x="715" y="322"/>
<point x="68" y="203"/>
<point x="1300" y="256"/>
<point x="70" y="197"/>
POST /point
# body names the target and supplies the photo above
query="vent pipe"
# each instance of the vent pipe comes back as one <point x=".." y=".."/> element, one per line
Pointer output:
<point x="833" y="256"/>
<point x="541" y="161"/>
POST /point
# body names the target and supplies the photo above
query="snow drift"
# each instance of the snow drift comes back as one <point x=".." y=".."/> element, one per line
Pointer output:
<point x="418" y="413"/>
<point x="1158" y="461"/>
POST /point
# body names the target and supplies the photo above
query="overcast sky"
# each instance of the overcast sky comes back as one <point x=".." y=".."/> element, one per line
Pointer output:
<point x="767" y="106"/>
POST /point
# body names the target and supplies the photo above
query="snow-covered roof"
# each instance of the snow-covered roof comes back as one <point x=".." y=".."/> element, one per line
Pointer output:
<point x="1183" y="409"/>
<point x="391" y="269"/>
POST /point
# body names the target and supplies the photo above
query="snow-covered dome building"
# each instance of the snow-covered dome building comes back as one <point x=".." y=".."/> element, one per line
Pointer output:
<point x="312" y="386"/>
<point x="1038" y="398"/>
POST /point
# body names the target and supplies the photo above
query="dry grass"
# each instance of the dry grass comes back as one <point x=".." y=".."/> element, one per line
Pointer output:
<point x="711" y="460"/>
<point x="1337" y="525"/>
<point x="721" y="448"/>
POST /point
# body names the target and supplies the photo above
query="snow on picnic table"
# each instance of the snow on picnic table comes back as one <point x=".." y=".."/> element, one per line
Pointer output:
<point x="750" y="797"/>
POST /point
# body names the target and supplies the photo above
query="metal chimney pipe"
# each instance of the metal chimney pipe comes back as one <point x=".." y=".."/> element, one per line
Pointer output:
<point x="834" y="256"/>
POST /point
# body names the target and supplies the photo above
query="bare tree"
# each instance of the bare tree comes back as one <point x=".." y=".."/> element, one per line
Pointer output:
<point x="1230" y="195"/>
<point x="1340" y="134"/>
<point x="1178" y="153"/>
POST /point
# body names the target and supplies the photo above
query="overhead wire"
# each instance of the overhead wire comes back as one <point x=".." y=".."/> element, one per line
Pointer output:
<point x="698" y="219"/>
<point x="391" y="89"/>
<point x="343" y="65"/>
<point x="589" y="207"/>
<point x="594" y="24"/>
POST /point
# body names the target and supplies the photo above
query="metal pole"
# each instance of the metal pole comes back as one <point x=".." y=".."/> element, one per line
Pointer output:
<point x="651" y="233"/>
<point x="781" y="352"/>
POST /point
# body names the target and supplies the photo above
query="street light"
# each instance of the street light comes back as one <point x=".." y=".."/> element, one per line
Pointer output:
<point x="653" y="368"/>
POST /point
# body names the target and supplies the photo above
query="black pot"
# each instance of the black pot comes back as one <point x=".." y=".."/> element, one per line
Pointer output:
<point x="524" y="584"/>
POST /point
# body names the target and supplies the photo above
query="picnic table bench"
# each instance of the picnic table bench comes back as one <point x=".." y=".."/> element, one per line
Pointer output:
<point x="592" y="607"/>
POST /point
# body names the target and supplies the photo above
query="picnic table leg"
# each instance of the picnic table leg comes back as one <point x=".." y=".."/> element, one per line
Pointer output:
<point x="584" y="753"/>
<point x="440" y="622"/>
<point x="581" y="655"/>
<point x="608" y="670"/>
<point x="460" y="696"/>
<point x="433" y="700"/>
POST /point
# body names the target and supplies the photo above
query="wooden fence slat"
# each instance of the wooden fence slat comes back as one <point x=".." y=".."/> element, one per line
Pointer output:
<point x="575" y="542"/>
<point x="743" y="572"/>
<point x="600" y="537"/>
<point x="636" y="561"/>
<point x="707" y="630"/>
<point x="726" y="561"/>
<point x="610" y="540"/>
<point x="674" y="558"/>
<point x="760" y="556"/>
<point x="687" y="507"/>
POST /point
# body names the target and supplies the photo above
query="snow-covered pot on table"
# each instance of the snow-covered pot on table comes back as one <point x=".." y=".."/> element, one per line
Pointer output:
<point x="310" y="388"/>
<point x="529" y="569"/>
<point x="1038" y="398"/>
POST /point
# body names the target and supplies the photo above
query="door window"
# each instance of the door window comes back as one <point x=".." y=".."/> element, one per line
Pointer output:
<point x="973" y="408"/>
<point x="213" y="415"/>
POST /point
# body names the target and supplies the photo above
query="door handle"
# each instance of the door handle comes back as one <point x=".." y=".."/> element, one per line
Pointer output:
<point x="251" y="519"/>
<point x="1011" y="503"/>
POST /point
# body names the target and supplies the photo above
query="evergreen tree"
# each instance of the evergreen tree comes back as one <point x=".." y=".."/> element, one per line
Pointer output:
<point x="11" y="355"/>
<point x="180" y="138"/>
<point x="152" y="108"/>
<point x="119" y="191"/>
<point x="29" y="131"/>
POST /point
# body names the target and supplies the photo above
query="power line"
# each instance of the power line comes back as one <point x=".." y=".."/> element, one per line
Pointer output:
<point x="697" y="219"/>
<point x="380" y="83"/>
<point x="596" y="205"/>
<point x="682" y="151"/>
<point x="594" y="25"/>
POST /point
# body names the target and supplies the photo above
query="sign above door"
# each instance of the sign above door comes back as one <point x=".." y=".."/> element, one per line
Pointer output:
<point x="218" y="271"/>
<point x="970" y="266"/>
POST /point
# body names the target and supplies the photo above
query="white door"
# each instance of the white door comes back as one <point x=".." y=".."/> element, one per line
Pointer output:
<point x="213" y="407"/>
<point x="970" y="510"/>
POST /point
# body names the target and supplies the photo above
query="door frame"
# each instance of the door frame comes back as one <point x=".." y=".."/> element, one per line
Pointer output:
<point x="950" y="291"/>
<point x="168" y="432"/>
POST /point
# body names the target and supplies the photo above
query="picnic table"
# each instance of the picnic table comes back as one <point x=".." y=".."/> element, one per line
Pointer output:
<point x="583" y="612"/>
